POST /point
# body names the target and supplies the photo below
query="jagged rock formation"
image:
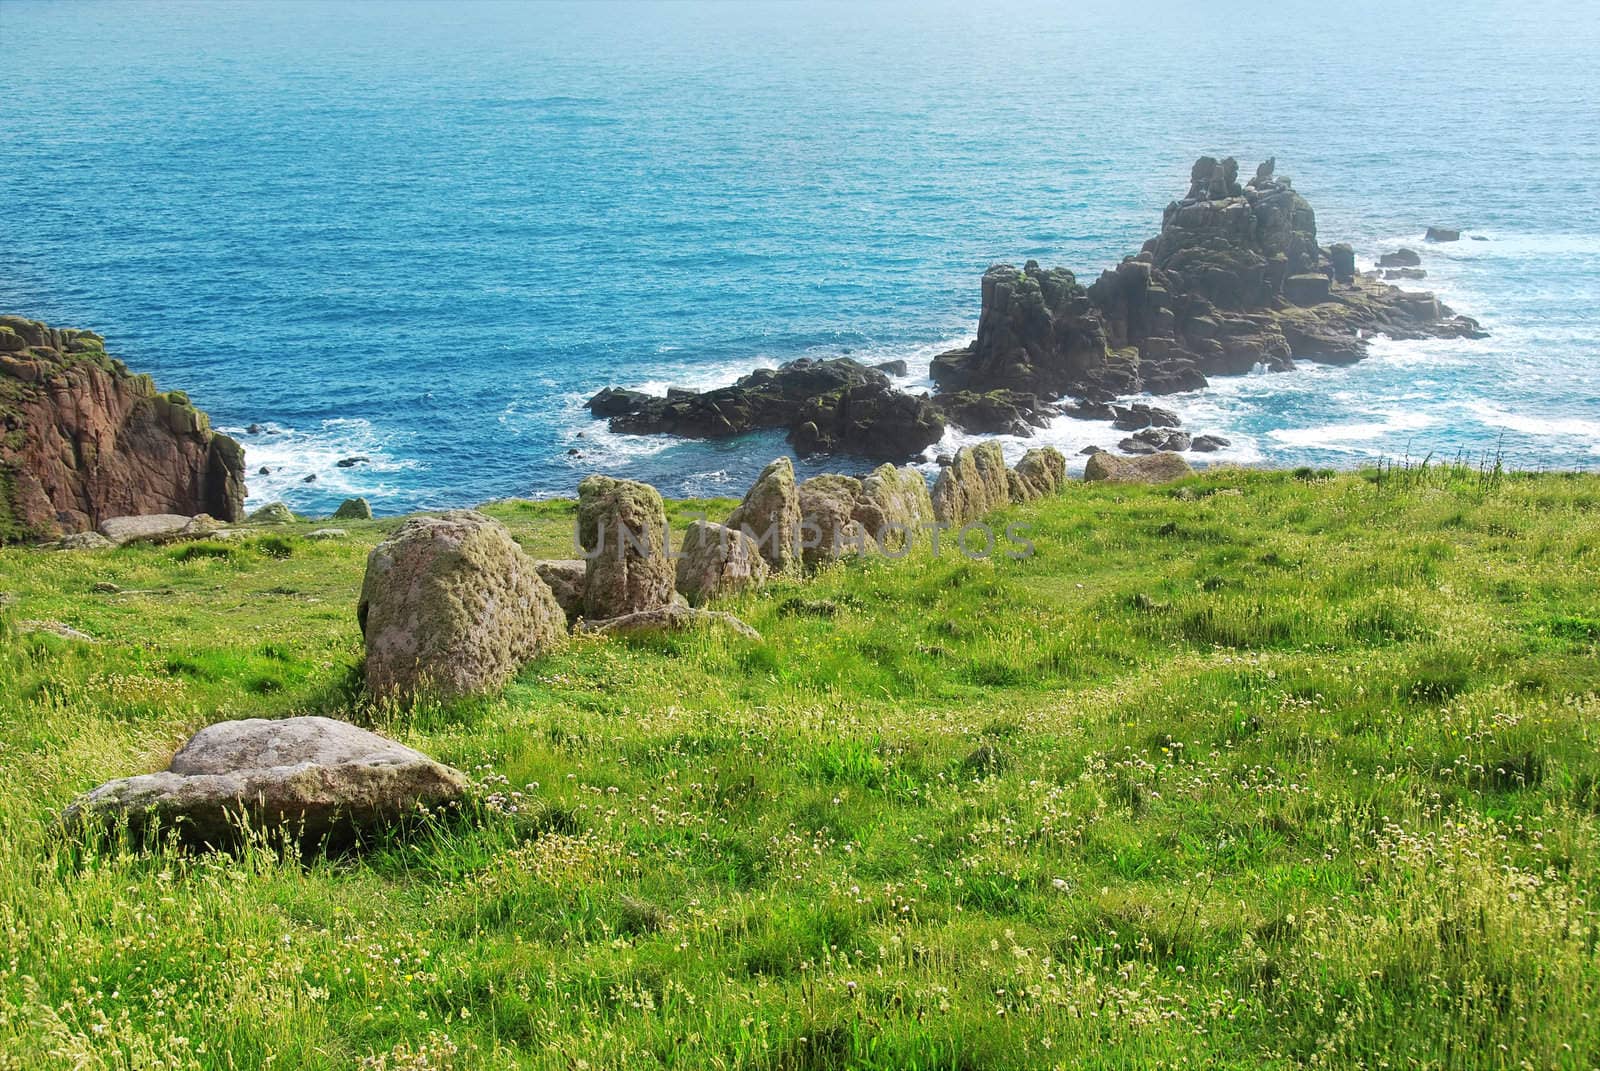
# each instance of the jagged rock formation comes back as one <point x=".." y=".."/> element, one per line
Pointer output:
<point x="714" y="560"/>
<point x="975" y="482"/>
<point x="83" y="440"/>
<point x="770" y="514"/>
<point x="828" y="406"/>
<point x="1235" y="280"/>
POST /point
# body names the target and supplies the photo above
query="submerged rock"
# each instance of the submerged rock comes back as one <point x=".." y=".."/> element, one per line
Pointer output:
<point x="452" y="606"/>
<point x="1442" y="234"/>
<point x="319" y="783"/>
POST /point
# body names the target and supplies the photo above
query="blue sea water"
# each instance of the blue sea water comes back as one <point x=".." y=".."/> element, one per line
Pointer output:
<point x="426" y="232"/>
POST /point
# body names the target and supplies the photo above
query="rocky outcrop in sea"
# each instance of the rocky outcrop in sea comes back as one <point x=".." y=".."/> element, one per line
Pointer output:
<point x="84" y="440"/>
<point x="1235" y="281"/>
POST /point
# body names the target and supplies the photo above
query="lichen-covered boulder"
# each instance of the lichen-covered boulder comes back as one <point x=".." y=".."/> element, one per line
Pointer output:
<point x="836" y="520"/>
<point x="901" y="497"/>
<point x="272" y="513"/>
<point x="770" y="514"/>
<point x="1151" y="468"/>
<point x="452" y="606"/>
<point x="622" y="526"/>
<point x="972" y="485"/>
<point x="1041" y="472"/>
<point x="353" y="509"/>
<point x="565" y="578"/>
<point x="715" y="560"/>
<point x="319" y="783"/>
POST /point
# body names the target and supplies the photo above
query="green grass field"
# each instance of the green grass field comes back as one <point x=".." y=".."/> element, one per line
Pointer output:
<point x="1258" y="770"/>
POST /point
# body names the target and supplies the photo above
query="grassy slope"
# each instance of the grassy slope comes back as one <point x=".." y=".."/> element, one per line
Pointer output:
<point x="1289" y="773"/>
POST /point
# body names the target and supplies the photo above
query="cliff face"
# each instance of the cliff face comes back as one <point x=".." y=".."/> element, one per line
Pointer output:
<point x="1234" y="280"/>
<point x="82" y="439"/>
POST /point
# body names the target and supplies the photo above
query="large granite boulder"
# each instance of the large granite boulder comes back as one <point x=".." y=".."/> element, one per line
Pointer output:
<point x="1151" y="468"/>
<point x="272" y="513"/>
<point x="975" y="483"/>
<point x="622" y="526"/>
<point x="715" y="560"/>
<point x="353" y="509"/>
<point x="770" y="514"/>
<point x="150" y="528"/>
<point x="837" y="520"/>
<point x="1042" y="472"/>
<point x="837" y="405"/>
<point x="316" y="782"/>
<point x="452" y="606"/>
<point x="565" y="577"/>
<point x="82" y="440"/>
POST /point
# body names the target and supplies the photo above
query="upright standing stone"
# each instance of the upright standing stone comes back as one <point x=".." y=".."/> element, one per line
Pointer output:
<point x="770" y="514"/>
<point x="622" y="526"/>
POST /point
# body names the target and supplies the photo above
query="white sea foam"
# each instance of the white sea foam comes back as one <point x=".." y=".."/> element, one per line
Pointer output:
<point x="292" y="454"/>
<point x="1496" y="416"/>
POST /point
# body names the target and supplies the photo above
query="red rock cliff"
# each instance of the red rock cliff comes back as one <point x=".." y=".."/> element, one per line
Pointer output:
<point x="83" y="439"/>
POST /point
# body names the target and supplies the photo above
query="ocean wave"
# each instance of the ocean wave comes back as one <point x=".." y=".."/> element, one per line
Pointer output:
<point x="292" y="454"/>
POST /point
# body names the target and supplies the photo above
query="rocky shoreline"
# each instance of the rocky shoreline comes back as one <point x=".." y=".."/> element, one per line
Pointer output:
<point x="1235" y="282"/>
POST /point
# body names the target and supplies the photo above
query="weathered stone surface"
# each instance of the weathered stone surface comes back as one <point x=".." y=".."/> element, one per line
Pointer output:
<point x="272" y="513"/>
<point x="326" y="533"/>
<point x="671" y="618"/>
<point x="157" y="527"/>
<point x="770" y="514"/>
<point x="1442" y="234"/>
<point x="1042" y="472"/>
<point x="836" y="520"/>
<point x="901" y="498"/>
<point x="1153" y="468"/>
<point x="829" y="406"/>
<point x="82" y="440"/>
<point x="995" y="412"/>
<point x="565" y="578"/>
<point x="451" y="605"/>
<point x="83" y="541"/>
<point x="353" y="509"/>
<point x="715" y="560"/>
<point x="622" y="526"/>
<point x="1207" y="444"/>
<point x="974" y="484"/>
<point x="317" y="782"/>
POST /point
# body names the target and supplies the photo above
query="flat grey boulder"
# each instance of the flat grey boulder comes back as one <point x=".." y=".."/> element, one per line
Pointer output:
<point x="326" y="533"/>
<point x="152" y="527"/>
<point x="673" y="618"/>
<point x="317" y="782"/>
<point x="450" y="606"/>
